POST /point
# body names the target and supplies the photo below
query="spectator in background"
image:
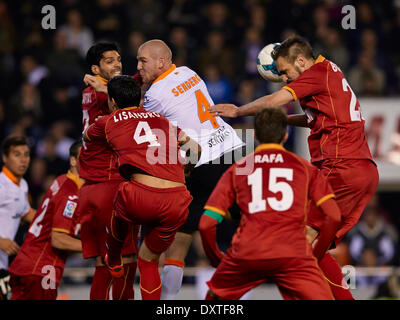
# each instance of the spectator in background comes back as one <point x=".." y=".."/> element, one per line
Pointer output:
<point x="183" y="12"/>
<point x="47" y="150"/>
<point x="147" y="17"/>
<point x="32" y="71"/>
<point x="216" y="18"/>
<point x="301" y="15"/>
<point x="109" y="20"/>
<point x="258" y="18"/>
<point x="29" y="127"/>
<point x="332" y="47"/>
<point x="59" y="131"/>
<point x="26" y="100"/>
<point x="135" y="39"/>
<point x="217" y="51"/>
<point x="181" y="46"/>
<point x="245" y="93"/>
<point x="366" y="78"/>
<point x="320" y="21"/>
<point x="372" y="242"/>
<point x="219" y="87"/>
<point x="7" y="28"/>
<point x="37" y="178"/>
<point x="63" y="61"/>
<point x="3" y="121"/>
<point x="248" y="52"/>
<point x="78" y="36"/>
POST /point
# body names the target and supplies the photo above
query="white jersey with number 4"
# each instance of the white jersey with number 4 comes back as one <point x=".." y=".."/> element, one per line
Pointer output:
<point x="181" y="96"/>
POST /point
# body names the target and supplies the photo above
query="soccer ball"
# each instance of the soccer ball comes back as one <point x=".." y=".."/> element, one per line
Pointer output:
<point x="266" y="66"/>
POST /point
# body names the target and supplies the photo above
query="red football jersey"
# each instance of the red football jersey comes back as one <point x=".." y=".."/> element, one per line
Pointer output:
<point x="273" y="188"/>
<point x="141" y="139"/>
<point x="97" y="162"/>
<point x="56" y="212"/>
<point x="333" y="111"/>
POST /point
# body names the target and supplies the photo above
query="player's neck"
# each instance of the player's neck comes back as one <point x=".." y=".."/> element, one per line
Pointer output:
<point x="10" y="175"/>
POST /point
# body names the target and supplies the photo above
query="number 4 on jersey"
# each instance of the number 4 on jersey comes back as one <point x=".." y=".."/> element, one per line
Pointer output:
<point x="148" y="135"/>
<point x="202" y="109"/>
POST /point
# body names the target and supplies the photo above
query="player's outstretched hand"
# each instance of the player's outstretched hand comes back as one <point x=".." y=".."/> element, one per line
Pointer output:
<point x="92" y="81"/>
<point x="224" y="110"/>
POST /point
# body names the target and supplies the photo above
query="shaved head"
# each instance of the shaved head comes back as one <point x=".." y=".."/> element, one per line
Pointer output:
<point x="154" y="58"/>
<point x="157" y="49"/>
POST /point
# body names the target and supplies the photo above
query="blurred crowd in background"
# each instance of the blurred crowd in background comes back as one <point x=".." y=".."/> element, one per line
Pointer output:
<point x="41" y="71"/>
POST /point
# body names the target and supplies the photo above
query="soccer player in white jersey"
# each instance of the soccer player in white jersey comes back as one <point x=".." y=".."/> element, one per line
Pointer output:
<point x="14" y="203"/>
<point x="180" y="95"/>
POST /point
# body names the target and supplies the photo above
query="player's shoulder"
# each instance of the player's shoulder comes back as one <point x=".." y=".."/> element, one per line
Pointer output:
<point x="91" y="96"/>
<point x="67" y="184"/>
<point x="56" y="185"/>
<point x="24" y="185"/>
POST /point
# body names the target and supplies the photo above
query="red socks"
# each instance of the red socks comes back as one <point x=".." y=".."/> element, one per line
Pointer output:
<point x="123" y="287"/>
<point x="150" y="281"/>
<point x="119" y="228"/>
<point x="101" y="284"/>
<point x="333" y="273"/>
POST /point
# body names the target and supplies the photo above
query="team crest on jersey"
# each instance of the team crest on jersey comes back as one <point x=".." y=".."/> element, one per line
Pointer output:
<point x="69" y="209"/>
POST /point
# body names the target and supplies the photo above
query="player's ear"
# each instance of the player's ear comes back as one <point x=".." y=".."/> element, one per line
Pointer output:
<point x="114" y="104"/>
<point x="161" y="63"/>
<point x="95" y="69"/>
<point x="285" y="137"/>
<point x="301" y="61"/>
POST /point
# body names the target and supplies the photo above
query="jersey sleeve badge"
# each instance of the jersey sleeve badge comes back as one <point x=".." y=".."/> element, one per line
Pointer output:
<point x="69" y="209"/>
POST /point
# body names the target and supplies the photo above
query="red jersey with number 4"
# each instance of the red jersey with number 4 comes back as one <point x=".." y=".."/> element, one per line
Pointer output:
<point x="56" y="212"/>
<point x="97" y="162"/>
<point x="333" y="112"/>
<point x="273" y="188"/>
<point x="143" y="140"/>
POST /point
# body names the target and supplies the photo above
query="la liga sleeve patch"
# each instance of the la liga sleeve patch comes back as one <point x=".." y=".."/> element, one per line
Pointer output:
<point x="69" y="209"/>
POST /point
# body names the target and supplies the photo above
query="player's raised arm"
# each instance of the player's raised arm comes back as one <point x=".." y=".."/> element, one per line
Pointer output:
<point x="275" y="99"/>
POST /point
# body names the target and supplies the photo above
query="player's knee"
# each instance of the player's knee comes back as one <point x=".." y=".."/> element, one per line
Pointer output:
<point x="180" y="246"/>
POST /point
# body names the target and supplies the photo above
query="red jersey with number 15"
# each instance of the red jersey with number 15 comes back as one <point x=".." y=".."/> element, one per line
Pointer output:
<point x="333" y="111"/>
<point x="97" y="162"/>
<point x="143" y="140"/>
<point x="58" y="212"/>
<point x="273" y="188"/>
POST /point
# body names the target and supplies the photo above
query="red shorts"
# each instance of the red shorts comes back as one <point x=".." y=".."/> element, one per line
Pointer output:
<point x="30" y="288"/>
<point x="162" y="211"/>
<point x="95" y="210"/>
<point x="296" y="278"/>
<point x="354" y="182"/>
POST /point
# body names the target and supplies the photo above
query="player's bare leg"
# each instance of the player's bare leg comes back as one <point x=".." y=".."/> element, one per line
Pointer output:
<point x="174" y="263"/>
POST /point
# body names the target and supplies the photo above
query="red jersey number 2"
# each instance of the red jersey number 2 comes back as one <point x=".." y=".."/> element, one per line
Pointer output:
<point x="355" y="115"/>
<point x="202" y="109"/>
